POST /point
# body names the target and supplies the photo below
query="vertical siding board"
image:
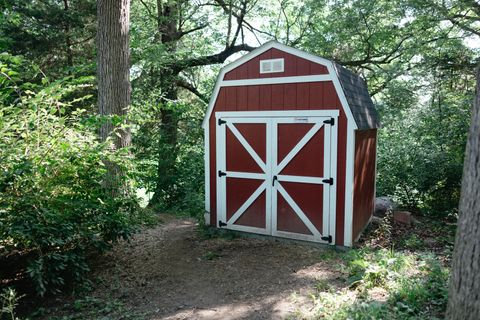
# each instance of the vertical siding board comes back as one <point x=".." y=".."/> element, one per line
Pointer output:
<point x="364" y="180"/>
<point x="230" y="98"/>
<point x="253" y="67"/>
<point x="277" y="96"/>
<point x="290" y="96"/>
<point x="242" y="98"/>
<point x="316" y="68"/>
<point x="331" y="100"/>
<point x="242" y="71"/>
<point x="316" y="101"/>
<point x="290" y="68"/>
<point x="303" y="93"/>
<point x="253" y="98"/>
<point x="231" y="75"/>
<point x="265" y="97"/>
<point x="220" y="103"/>
<point x="303" y="67"/>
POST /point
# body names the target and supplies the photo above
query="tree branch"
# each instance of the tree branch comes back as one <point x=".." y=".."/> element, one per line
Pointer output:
<point x="188" y="86"/>
<point x="211" y="59"/>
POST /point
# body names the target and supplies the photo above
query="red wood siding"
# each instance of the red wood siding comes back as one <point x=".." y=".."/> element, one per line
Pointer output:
<point x="295" y="96"/>
<point x="364" y="179"/>
<point x="293" y="66"/>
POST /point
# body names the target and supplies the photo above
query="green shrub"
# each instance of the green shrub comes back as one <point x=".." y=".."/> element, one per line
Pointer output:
<point x="52" y="203"/>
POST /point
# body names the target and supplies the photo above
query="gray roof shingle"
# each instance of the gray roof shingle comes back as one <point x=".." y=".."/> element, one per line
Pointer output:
<point x="358" y="98"/>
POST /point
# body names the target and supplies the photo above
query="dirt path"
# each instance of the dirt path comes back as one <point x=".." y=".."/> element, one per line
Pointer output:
<point x="169" y="272"/>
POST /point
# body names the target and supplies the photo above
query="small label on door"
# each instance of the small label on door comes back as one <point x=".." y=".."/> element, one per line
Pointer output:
<point x="301" y="119"/>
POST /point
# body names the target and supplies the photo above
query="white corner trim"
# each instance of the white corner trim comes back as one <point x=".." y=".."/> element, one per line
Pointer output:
<point x="206" y="156"/>
<point x="349" y="179"/>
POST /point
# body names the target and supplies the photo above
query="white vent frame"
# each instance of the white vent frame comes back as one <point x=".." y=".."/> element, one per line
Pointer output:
<point x="270" y="63"/>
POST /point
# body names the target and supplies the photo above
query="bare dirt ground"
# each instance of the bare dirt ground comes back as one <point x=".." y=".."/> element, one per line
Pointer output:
<point x="170" y="272"/>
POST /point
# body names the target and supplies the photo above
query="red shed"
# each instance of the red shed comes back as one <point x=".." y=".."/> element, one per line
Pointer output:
<point x="290" y="148"/>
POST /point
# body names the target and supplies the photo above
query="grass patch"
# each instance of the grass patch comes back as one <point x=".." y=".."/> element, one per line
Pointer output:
<point x="384" y="284"/>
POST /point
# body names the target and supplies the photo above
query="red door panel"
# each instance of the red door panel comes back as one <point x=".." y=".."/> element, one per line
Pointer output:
<point x="255" y="215"/>
<point x="287" y="219"/>
<point x="309" y="197"/>
<point x="238" y="158"/>
<point x="309" y="160"/>
<point x="238" y="191"/>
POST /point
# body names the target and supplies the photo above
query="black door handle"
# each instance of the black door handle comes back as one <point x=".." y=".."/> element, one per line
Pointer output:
<point x="273" y="180"/>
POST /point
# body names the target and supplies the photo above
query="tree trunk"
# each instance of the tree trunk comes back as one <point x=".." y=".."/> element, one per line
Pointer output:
<point x="167" y="25"/>
<point x="113" y="71"/>
<point x="68" y="40"/>
<point x="464" y="293"/>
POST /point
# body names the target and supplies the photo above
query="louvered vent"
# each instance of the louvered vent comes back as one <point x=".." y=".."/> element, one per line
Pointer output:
<point x="271" y="65"/>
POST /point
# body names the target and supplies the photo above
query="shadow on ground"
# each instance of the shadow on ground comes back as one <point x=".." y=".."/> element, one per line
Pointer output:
<point x="169" y="272"/>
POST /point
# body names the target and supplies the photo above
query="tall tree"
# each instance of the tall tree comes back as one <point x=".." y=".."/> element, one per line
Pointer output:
<point x="113" y="71"/>
<point x="464" y="294"/>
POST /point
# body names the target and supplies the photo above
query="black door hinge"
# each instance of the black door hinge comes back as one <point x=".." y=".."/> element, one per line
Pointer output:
<point x="330" y="122"/>
<point x="329" y="239"/>
<point x="221" y="173"/>
<point x="220" y="122"/>
<point x="221" y="224"/>
<point x="329" y="181"/>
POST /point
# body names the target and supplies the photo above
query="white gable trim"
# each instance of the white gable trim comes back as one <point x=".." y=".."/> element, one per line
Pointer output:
<point x="267" y="46"/>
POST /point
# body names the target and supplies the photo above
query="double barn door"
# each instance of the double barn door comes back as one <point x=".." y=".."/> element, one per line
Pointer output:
<point x="276" y="173"/>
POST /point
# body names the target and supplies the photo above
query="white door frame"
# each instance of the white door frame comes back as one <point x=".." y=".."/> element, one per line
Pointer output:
<point x="270" y="169"/>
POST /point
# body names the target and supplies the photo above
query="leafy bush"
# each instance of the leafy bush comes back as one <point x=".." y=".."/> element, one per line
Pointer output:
<point x="413" y="287"/>
<point x="179" y="170"/>
<point x="52" y="203"/>
<point x="421" y="146"/>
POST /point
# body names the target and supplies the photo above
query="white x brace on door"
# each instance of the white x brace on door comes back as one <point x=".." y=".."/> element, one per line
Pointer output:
<point x="277" y="173"/>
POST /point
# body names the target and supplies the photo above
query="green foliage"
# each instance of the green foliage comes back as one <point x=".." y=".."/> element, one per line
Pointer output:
<point x="9" y="301"/>
<point x="421" y="145"/>
<point x="52" y="203"/>
<point x="413" y="287"/>
<point x="181" y="178"/>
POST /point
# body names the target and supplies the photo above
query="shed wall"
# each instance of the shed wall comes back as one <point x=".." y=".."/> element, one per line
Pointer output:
<point x="364" y="179"/>
<point x="293" y="66"/>
<point x="292" y="96"/>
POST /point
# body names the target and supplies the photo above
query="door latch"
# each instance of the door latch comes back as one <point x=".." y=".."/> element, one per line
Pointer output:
<point x="221" y="224"/>
<point x="221" y="173"/>
<point x="275" y="178"/>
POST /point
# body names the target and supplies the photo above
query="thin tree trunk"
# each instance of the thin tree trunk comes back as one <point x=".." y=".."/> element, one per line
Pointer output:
<point x="167" y="25"/>
<point x="68" y="40"/>
<point x="113" y="66"/>
<point x="464" y="293"/>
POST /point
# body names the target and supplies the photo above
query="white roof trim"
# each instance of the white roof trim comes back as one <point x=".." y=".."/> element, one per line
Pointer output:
<point x="267" y="46"/>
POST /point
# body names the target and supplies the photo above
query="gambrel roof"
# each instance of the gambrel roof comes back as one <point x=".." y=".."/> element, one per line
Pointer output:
<point x="355" y="99"/>
<point x="359" y="100"/>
